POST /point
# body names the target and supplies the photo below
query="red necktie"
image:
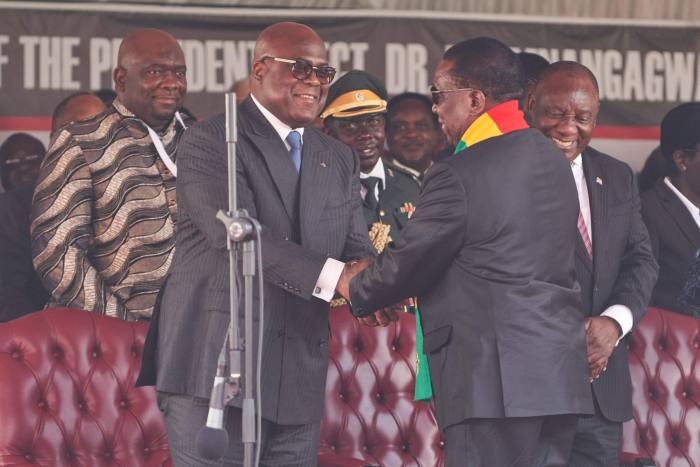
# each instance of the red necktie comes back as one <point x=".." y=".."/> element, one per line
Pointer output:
<point x="584" y="235"/>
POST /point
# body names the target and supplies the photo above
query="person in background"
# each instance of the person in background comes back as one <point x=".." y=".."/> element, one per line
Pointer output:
<point x="20" y="159"/>
<point x="533" y="65"/>
<point x="106" y="95"/>
<point x="75" y="108"/>
<point x="105" y="212"/>
<point x="671" y="209"/>
<point x="355" y="115"/>
<point x="413" y="133"/>
<point x="21" y="290"/>
<point x="615" y="266"/>
<point x="242" y="89"/>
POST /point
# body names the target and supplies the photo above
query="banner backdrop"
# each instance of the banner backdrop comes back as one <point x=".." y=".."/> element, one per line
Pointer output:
<point x="643" y="71"/>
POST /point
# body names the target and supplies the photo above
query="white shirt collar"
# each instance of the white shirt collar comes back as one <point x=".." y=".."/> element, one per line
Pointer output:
<point x="377" y="171"/>
<point x="577" y="162"/>
<point x="280" y="127"/>
<point x="694" y="210"/>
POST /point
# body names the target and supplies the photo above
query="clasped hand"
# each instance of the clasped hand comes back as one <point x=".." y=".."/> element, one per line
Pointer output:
<point x="602" y="334"/>
<point x="381" y="317"/>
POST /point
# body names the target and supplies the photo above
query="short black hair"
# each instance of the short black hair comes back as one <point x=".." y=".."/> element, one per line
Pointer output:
<point x="410" y="96"/>
<point x="573" y="68"/>
<point x="680" y="130"/>
<point x="61" y="107"/>
<point x="489" y="65"/>
<point x="533" y="65"/>
<point x="106" y="95"/>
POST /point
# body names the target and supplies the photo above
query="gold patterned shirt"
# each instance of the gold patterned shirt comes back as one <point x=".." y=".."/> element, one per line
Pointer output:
<point x="104" y="215"/>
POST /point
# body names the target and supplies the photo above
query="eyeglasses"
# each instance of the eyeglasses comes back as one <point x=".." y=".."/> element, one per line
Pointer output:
<point x="352" y="126"/>
<point x="437" y="94"/>
<point x="301" y="69"/>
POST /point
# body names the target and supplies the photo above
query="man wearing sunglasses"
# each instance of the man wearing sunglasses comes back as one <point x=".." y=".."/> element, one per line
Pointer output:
<point x="355" y="115"/>
<point x="490" y="254"/>
<point x="302" y="186"/>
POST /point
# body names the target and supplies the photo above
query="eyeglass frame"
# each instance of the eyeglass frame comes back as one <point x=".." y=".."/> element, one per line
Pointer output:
<point x="312" y="68"/>
<point x="435" y="93"/>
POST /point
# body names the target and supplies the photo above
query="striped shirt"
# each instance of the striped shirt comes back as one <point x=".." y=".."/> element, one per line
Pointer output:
<point x="104" y="215"/>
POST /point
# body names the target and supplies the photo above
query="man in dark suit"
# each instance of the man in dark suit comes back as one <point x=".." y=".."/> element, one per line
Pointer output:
<point x="614" y="262"/>
<point x="490" y="253"/>
<point x="355" y="114"/>
<point x="670" y="208"/>
<point x="303" y="187"/>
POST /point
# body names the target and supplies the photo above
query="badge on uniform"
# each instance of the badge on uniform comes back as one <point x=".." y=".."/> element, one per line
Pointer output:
<point x="408" y="208"/>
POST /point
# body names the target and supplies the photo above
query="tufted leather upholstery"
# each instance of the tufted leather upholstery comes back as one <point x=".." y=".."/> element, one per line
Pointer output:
<point x="665" y="369"/>
<point x="369" y="412"/>
<point x="67" y="395"/>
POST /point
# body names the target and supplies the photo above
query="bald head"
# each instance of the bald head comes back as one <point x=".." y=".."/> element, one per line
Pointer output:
<point x="280" y="36"/>
<point x="75" y="108"/>
<point x="283" y="88"/>
<point x="150" y="78"/>
<point x="565" y="105"/>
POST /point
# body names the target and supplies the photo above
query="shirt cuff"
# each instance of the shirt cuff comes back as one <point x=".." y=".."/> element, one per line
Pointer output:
<point x="328" y="279"/>
<point x="623" y="316"/>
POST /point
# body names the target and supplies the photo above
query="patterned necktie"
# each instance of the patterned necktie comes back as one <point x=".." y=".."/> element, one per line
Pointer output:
<point x="294" y="140"/>
<point x="584" y="235"/>
<point x="370" y="184"/>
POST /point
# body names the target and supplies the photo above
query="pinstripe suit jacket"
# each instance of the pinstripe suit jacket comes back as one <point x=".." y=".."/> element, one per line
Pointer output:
<point x="306" y="218"/>
<point x="623" y="270"/>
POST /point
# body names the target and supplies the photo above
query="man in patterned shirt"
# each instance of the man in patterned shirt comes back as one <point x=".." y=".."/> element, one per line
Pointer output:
<point x="104" y="209"/>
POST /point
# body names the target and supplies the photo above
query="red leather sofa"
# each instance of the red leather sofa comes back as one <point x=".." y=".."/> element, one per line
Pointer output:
<point x="67" y="395"/>
<point x="370" y="416"/>
<point x="665" y="369"/>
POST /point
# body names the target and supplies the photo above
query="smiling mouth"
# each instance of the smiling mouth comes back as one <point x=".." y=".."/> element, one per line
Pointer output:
<point x="307" y="97"/>
<point x="367" y="151"/>
<point x="562" y="144"/>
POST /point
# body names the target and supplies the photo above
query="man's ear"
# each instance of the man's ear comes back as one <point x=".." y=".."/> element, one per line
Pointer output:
<point x="477" y="102"/>
<point x="259" y="70"/>
<point x="119" y="77"/>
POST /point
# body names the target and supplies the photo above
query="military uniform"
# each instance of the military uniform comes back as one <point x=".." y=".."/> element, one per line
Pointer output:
<point x="395" y="206"/>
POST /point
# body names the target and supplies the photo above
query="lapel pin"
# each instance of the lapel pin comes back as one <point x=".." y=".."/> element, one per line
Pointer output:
<point x="323" y="164"/>
<point x="599" y="181"/>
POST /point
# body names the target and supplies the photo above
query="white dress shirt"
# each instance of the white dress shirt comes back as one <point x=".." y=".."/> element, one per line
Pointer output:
<point x="620" y="313"/>
<point x="377" y="171"/>
<point x="332" y="269"/>
<point x="694" y="210"/>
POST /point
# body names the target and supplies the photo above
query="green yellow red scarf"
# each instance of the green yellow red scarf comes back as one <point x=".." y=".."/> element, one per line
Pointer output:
<point x="500" y="120"/>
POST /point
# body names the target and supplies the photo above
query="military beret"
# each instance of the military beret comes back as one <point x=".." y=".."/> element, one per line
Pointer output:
<point x="355" y="93"/>
<point x="680" y="128"/>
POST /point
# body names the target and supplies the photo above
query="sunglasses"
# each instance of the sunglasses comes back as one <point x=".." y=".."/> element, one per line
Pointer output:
<point x="438" y="94"/>
<point x="301" y="69"/>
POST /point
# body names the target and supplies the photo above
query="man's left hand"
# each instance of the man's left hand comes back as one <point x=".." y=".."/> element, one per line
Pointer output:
<point x="602" y="334"/>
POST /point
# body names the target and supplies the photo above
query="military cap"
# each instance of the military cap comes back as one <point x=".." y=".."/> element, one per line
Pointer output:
<point x="355" y="93"/>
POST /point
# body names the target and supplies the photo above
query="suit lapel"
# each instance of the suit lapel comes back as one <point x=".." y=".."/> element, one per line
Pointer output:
<point x="679" y="213"/>
<point x="275" y="154"/>
<point x="315" y="178"/>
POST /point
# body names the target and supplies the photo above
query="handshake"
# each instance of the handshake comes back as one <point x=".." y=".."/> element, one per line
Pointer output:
<point x="380" y="317"/>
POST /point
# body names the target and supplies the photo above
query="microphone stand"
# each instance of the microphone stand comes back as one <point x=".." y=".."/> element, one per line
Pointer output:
<point x="242" y="231"/>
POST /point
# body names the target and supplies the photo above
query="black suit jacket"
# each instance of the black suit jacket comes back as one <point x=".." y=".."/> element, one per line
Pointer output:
<point x="306" y="219"/>
<point x="675" y="238"/>
<point x="623" y="270"/>
<point x="490" y="254"/>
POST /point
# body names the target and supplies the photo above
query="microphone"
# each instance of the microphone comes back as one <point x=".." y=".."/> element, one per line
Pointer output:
<point x="212" y="438"/>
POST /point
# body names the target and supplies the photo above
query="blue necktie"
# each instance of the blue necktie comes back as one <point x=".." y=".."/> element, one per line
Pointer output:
<point x="294" y="140"/>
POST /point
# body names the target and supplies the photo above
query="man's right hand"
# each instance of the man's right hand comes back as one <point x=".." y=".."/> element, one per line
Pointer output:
<point x="351" y="269"/>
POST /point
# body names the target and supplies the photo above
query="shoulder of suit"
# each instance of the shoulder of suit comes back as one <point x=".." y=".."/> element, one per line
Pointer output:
<point x="608" y="163"/>
<point x="399" y="173"/>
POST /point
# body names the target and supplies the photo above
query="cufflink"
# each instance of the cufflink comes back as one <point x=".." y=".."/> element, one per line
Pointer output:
<point x="317" y="290"/>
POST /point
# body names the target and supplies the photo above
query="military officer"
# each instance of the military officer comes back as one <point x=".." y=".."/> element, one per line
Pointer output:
<point x="355" y="114"/>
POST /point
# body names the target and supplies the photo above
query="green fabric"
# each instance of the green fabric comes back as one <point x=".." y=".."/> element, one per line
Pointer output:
<point x="424" y="387"/>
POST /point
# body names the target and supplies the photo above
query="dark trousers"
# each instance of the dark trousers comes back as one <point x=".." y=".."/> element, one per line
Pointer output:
<point x="282" y="445"/>
<point x="510" y="442"/>
<point x="598" y="442"/>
